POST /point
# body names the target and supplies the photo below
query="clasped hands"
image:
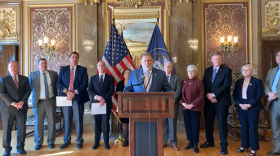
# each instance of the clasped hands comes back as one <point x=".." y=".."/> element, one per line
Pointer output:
<point x="245" y="106"/>
<point x="187" y="106"/>
<point x="211" y="98"/>
<point x="100" y="99"/>
<point x="70" y="94"/>
<point x="18" y="105"/>
<point x="272" y="96"/>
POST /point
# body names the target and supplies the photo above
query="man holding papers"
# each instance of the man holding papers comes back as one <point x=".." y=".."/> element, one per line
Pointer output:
<point x="44" y="92"/>
<point x="72" y="83"/>
<point x="100" y="90"/>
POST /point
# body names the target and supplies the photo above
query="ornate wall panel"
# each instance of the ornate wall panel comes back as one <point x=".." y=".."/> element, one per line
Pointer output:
<point x="9" y="22"/>
<point x="270" y="10"/>
<point x="55" y="22"/>
<point x="223" y="19"/>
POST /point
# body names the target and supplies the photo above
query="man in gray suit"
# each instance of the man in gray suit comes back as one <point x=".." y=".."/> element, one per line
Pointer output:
<point x="44" y="92"/>
<point x="170" y="124"/>
<point x="14" y="92"/>
<point x="272" y="92"/>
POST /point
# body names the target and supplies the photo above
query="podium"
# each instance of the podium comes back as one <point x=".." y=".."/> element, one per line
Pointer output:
<point x="146" y="111"/>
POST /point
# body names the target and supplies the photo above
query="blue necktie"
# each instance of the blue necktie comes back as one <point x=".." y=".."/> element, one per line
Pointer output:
<point x="167" y="77"/>
<point x="214" y="74"/>
<point x="275" y="81"/>
<point x="46" y="86"/>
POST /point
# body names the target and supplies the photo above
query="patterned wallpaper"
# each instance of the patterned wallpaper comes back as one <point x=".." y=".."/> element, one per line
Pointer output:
<point x="56" y="22"/>
<point x="223" y="19"/>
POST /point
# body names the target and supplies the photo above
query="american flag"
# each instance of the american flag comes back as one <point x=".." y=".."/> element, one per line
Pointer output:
<point x="117" y="58"/>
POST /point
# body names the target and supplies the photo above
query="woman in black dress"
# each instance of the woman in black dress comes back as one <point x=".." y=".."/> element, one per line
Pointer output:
<point x="125" y="121"/>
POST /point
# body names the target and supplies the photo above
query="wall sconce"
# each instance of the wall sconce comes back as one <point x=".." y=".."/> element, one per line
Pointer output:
<point x="48" y="49"/>
<point x="226" y="46"/>
<point x="193" y="44"/>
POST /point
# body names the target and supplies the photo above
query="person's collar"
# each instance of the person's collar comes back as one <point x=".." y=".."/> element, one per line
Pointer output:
<point x="73" y="67"/>
<point x="102" y="74"/>
<point x="14" y="75"/>
<point x="216" y="67"/>
<point x="43" y="72"/>
<point x="148" y="71"/>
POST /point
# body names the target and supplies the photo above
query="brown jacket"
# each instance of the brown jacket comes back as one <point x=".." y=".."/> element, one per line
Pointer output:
<point x="197" y="94"/>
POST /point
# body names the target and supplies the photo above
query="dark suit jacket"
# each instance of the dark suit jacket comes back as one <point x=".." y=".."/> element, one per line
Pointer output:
<point x="175" y="83"/>
<point x="159" y="81"/>
<point x="254" y="93"/>
<point x="220" y="86"/>
<point x="80" y="82"/>
<point x="9" y="92"/>
<point x="34" y="81"/>
<point x="106" y="91"/>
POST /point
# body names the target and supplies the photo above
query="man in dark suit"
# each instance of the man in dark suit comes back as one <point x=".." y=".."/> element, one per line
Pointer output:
<point x="170" y="124"/>
<point x="155" y="80"/>
<point x="44" y="92"/>
<point x="217" y="81"/>
<point x="73" y="82"/>
<point x="100" y="90"/>
<point x="14" y="92"/>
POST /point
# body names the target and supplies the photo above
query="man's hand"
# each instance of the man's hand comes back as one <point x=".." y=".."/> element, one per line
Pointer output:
<point x="16" y="105"/>
<point x="247" y="106"/>
<point x="101" y="103"/>
<point x="20" y="104"/>
<point x="209" y="96"/>
<point x="70" y="95"/>
<point x="213" y="100"/>
<point x="271" y="96"/>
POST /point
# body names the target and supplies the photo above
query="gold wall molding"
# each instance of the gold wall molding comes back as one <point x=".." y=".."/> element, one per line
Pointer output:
<point x="9" y="22"/>
<point x="202" y="18"/>
<point x="136" y="3"/>
<point x="139" y="16"/>
<point x="271" y="17"/>
<point x="52" y="5"/>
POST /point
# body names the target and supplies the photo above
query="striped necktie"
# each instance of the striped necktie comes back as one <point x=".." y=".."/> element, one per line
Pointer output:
<point x="71" y="80"/>
<point x="15" y="80"/>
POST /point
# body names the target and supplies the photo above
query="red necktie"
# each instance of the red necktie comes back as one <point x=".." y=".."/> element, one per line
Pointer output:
<point x="71" y="80"/>
<point x="16" y="82"/>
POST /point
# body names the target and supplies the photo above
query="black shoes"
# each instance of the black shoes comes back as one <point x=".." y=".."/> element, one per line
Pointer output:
<point x="207" y="144"/>
<point x="95" y="146"/>
<point x="79" y="146"/>
<point x="189" y="146"/>
<point x="241" y="150"/>
<point x="64" y="146"/>
<point x="107" y="147"/>
<point x="21" y="151"/>
<point x="51" y="146"/>
<point x="37" y="147"/>
<point x="195" y="149"/>
<point x="7" y="152"/>
<point x="224" y="151"/>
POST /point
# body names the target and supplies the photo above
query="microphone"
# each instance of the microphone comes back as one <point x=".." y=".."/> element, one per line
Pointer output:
<point x="142" y="82"/>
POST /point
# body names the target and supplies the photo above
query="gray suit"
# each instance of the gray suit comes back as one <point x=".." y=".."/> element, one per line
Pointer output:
<point x="43" y="107"/>
<point x="170" y="124"/>
<point x="9" y="94"/>
<point x="273" y="108"/>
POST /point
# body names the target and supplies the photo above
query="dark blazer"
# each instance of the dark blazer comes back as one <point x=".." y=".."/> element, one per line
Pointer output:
<point x="106" y="91"/>
<point x="196" y="93"/>
<point x="34" y="81"/>
<point x="254" y="93"/>
<point x="9" y="92"/>
<point x="80" y="82"/>
<point x="175" y="83"/>
<point x="159" y="81"/>
<point x="220" y="86"/>
<point x="120" y="87"/>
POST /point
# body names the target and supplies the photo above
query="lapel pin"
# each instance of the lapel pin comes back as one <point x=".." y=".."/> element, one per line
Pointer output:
<point x="250" y="83"/>
<point x="189" y="83"/>
<point x="184" y="81"/>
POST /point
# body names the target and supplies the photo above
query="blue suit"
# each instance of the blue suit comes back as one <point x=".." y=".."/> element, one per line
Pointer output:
<point x="159" y="81"/>
<point x="249" y="119"/>
<point x="80" y="85"/>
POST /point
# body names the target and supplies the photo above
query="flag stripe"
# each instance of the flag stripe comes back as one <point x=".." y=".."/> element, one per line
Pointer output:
<point x="110" y="69"/>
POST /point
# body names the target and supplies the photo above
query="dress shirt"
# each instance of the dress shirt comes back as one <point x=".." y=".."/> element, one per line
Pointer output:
<point x="244" y="89"/>
<point x="168" y="77"/>
<point x="42" y="86"/>
<point x="217" y="69"/>
<point x="98" y="80"/>
<point x="14" y="82"/>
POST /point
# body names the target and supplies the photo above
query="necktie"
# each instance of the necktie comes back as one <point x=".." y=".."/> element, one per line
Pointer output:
<point x="275" y="81"/>
<point x="167" y="77"/>
<point x="214" y="74"/>
<point x="101" y="81"/>
<point x="46" y="86"/>
<point x="147" y="84"/>
<point x="71" y="80"/>
<point x="16" y="82"/>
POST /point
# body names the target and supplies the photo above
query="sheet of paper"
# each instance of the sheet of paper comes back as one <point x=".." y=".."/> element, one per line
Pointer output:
<point x="96" y="109"/>
<point x="62" y="101"/>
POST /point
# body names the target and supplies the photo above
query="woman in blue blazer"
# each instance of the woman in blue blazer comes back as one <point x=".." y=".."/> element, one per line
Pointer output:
<point x="247" y="96"/>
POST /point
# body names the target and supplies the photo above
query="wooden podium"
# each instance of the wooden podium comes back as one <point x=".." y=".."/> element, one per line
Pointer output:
<point x="146" y="111"/>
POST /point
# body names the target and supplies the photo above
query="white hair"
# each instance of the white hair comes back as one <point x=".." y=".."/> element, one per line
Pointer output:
<point x="192" y="67"/>
<point x="247" y="66"/>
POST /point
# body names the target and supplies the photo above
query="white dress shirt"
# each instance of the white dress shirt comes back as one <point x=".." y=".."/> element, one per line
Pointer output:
<point x="17" y="81"/>
<point x="42" y="86"/>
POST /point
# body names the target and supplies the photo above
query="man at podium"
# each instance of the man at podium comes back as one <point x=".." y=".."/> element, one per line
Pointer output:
<point x="147" y="78"/>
